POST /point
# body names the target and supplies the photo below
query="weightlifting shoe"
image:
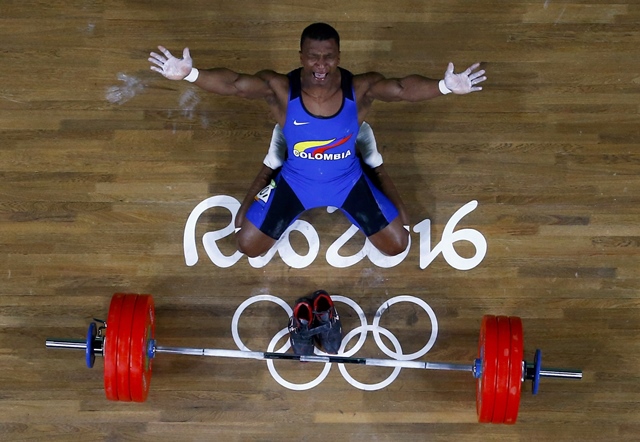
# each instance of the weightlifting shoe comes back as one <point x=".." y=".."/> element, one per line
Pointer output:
<point x="299" y="324"/>
<point x="327" y="327"/>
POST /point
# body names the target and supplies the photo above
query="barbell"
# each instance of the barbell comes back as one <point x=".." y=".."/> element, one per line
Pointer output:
<point x="128" y="346"/>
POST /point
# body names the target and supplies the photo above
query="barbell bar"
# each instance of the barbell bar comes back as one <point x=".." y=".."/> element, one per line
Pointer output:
<point x="128" y="346"/>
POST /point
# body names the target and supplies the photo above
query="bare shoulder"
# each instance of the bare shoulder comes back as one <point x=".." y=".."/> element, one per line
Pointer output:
<point x="275" y="80"/>
<point x="367" y="79"/>
<point x="278" y="85"/>
<point x="363" y="84"/>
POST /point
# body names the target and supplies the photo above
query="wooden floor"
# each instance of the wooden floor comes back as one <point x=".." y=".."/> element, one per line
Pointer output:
<point x="103" y="161"/>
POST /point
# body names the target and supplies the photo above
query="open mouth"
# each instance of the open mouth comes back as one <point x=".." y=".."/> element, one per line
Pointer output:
<point x="318" y="76"/>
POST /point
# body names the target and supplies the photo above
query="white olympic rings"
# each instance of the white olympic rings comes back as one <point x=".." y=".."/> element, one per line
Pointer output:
<point x="363" y="329"/>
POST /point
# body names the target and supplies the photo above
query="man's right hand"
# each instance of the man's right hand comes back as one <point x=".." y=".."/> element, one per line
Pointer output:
<point x="464" y="82"/>
<point x="169" y="66"/>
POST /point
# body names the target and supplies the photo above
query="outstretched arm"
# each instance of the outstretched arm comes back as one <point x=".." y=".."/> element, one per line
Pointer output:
<point x="419" y="88"/>
<point x="220" y="81"/>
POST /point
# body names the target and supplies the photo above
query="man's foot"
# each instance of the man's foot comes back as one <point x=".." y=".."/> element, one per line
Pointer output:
<point x="327" y="321"/>
<point x="299" y="324"/>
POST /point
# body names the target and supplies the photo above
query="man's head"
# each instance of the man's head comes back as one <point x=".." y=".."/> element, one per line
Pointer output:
<point x="320" y="32"/>
<point x="320" y="53"/>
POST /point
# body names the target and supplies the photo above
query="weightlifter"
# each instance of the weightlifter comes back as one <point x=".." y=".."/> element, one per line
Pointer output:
<point x="320" y="108"/>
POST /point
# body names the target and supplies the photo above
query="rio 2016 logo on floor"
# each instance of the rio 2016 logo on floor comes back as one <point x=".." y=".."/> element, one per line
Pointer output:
<point x="333" y="256"/>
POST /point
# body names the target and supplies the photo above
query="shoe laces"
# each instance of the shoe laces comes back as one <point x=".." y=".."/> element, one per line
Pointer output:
<point x="302" y="317"/>
<point x="323" y="309"/>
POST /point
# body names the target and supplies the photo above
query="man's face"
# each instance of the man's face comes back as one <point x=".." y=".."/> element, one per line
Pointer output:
<point x="320" y="59"/>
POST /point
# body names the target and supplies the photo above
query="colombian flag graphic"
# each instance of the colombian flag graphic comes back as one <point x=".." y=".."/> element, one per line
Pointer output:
<point x="313" y="148"/>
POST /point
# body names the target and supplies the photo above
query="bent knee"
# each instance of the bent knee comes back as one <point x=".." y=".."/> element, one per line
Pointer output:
<point x="253" y="245"/>
<point x="391" y="242"/>
<point x="247" y="247"/>
<point x="399" y="244"/>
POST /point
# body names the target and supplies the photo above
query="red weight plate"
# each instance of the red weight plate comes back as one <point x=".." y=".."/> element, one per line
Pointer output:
<point x="142" y="330"/>
<point x="110" y="349"/>
<point x="124" y="347"/>
<point x="515" y="375"/>
<point x="486" y="383"/>
<point x="504" y="368"/>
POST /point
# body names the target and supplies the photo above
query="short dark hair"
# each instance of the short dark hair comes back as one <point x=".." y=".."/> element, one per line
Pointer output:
<point x="319" y="31"/>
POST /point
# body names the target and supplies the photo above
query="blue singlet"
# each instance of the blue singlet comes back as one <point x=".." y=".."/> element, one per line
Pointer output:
<point x="321" y="169"/>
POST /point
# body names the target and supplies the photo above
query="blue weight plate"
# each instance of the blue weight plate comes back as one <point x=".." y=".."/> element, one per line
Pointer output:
<point x="537" y="364"/>
<point x="90" y="351"/>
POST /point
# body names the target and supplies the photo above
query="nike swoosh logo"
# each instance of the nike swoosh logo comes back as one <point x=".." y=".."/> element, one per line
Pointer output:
<point x="297" y="123"/>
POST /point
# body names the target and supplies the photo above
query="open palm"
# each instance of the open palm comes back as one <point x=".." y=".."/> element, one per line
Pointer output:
<point x="169" y="66"/>
<point x="466" y="81"/>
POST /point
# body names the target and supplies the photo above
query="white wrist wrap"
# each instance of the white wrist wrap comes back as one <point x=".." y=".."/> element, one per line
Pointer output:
<point x="193" y="75"/>
<point x="443" y="88"/>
